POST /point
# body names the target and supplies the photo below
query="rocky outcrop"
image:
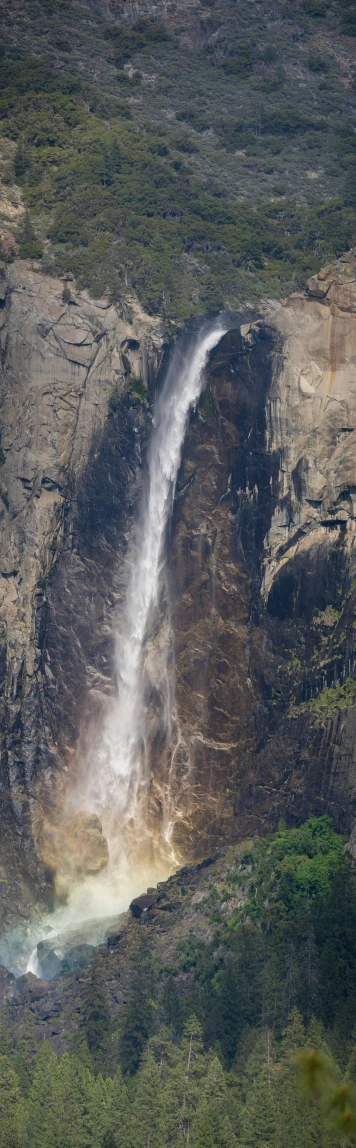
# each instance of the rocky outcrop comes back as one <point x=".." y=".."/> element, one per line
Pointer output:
<point x="180" y="914"/>
<point x="312" y="424"/>
<point x="66" y="362"/>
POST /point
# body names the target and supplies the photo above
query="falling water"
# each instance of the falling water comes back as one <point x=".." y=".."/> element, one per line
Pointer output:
<point x="117" y="766"/>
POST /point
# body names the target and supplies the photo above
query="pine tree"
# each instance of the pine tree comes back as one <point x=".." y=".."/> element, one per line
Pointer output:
<point x="146" y="1127"/>
<point x="298" y="1119"/>
<point x="215" y="1084"/>
<point x="202" y="1131"/>
<point x="139" y="1014"/>
<point x="172" y="1006"/>
<point x="66" y="1106"/>
<point x="6" y="1042"/>
<point x="109" y="1140"/>
<point x="228" y="1136"/>
<point x="183" y="1072"/>
<point x="41" y="1101"/>
<point x="118" y="1108"/>
<point x="94" y="1095"/>
<point x="294" y="1036"/>
<point x="30" y="246"/>
<point x="260" y="1117"/>
<point x="71" y="1096"/>
<point x="11" y="1107"/>
<point x="95" y="1017"/>
<point x="211" y="1125"/>
<point x="25" y="1055"/>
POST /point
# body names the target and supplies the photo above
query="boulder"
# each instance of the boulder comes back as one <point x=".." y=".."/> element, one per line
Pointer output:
<point x="142" y="904"/>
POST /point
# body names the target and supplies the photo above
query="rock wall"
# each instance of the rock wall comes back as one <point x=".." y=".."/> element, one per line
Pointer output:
<point x="66" y="363"/>
<point x="263" y="554"/>
<point x="260" y="598"/>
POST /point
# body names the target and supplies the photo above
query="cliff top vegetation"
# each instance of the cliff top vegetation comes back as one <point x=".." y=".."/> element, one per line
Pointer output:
<point x="197" y="168"/>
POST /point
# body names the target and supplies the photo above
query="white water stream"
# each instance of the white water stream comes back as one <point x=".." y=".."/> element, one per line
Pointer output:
<point x="117" y="762"/>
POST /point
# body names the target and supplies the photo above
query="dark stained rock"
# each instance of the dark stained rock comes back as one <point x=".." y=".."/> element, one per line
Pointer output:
<point x="142" y="904"/>
<point x="30" y="988"/>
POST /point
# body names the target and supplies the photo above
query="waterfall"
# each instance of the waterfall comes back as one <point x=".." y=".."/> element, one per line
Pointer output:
<point x="118" y="762"/>
<point x="117" y="767"/>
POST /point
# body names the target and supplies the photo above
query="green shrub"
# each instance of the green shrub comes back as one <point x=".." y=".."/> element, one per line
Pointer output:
<point x="128" y="81"/>
<point x="290" y="121"/>
<point x="30" y="246"/>
<point x="347" y="11"/>
<point x="234" y="135"/>
<point x="269" y="54"/>
<point x="239" y="61"/>
<point x="62" y="44"/>
<point x="196" y="119"/>
<point x="272" y="144"/>
<point x="315" y="8"/>
<point x="128" y="42"/>
<point x="317" y="63"/>
<point x="185" y="144"/>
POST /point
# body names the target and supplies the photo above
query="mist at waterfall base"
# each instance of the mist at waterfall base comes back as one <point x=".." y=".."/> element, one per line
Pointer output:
<point x="117" y="765"/>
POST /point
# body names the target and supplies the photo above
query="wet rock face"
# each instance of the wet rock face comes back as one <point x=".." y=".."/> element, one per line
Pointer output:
<point x="263" y="549"/>
<point x="223" y="509"/>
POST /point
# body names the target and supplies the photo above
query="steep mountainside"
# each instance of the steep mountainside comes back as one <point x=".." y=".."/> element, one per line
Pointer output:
<point x="200" y="154"/>
<point x="158" y="163"/>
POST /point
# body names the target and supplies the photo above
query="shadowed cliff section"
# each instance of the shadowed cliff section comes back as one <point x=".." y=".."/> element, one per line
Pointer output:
<point x="262" y="573"/>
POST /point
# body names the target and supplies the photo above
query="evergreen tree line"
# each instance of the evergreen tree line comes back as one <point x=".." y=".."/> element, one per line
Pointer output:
<point x="247" y="1040"/>
<point x="181" y="1095"/>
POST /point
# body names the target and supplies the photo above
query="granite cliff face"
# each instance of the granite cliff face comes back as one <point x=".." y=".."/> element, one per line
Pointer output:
<point x="260" y="567"/>
<point x="66" y="363"/>
<point x="263" y="560"/>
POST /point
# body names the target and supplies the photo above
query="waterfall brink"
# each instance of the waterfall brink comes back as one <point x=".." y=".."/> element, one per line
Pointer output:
<point x="118" y="769"/>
